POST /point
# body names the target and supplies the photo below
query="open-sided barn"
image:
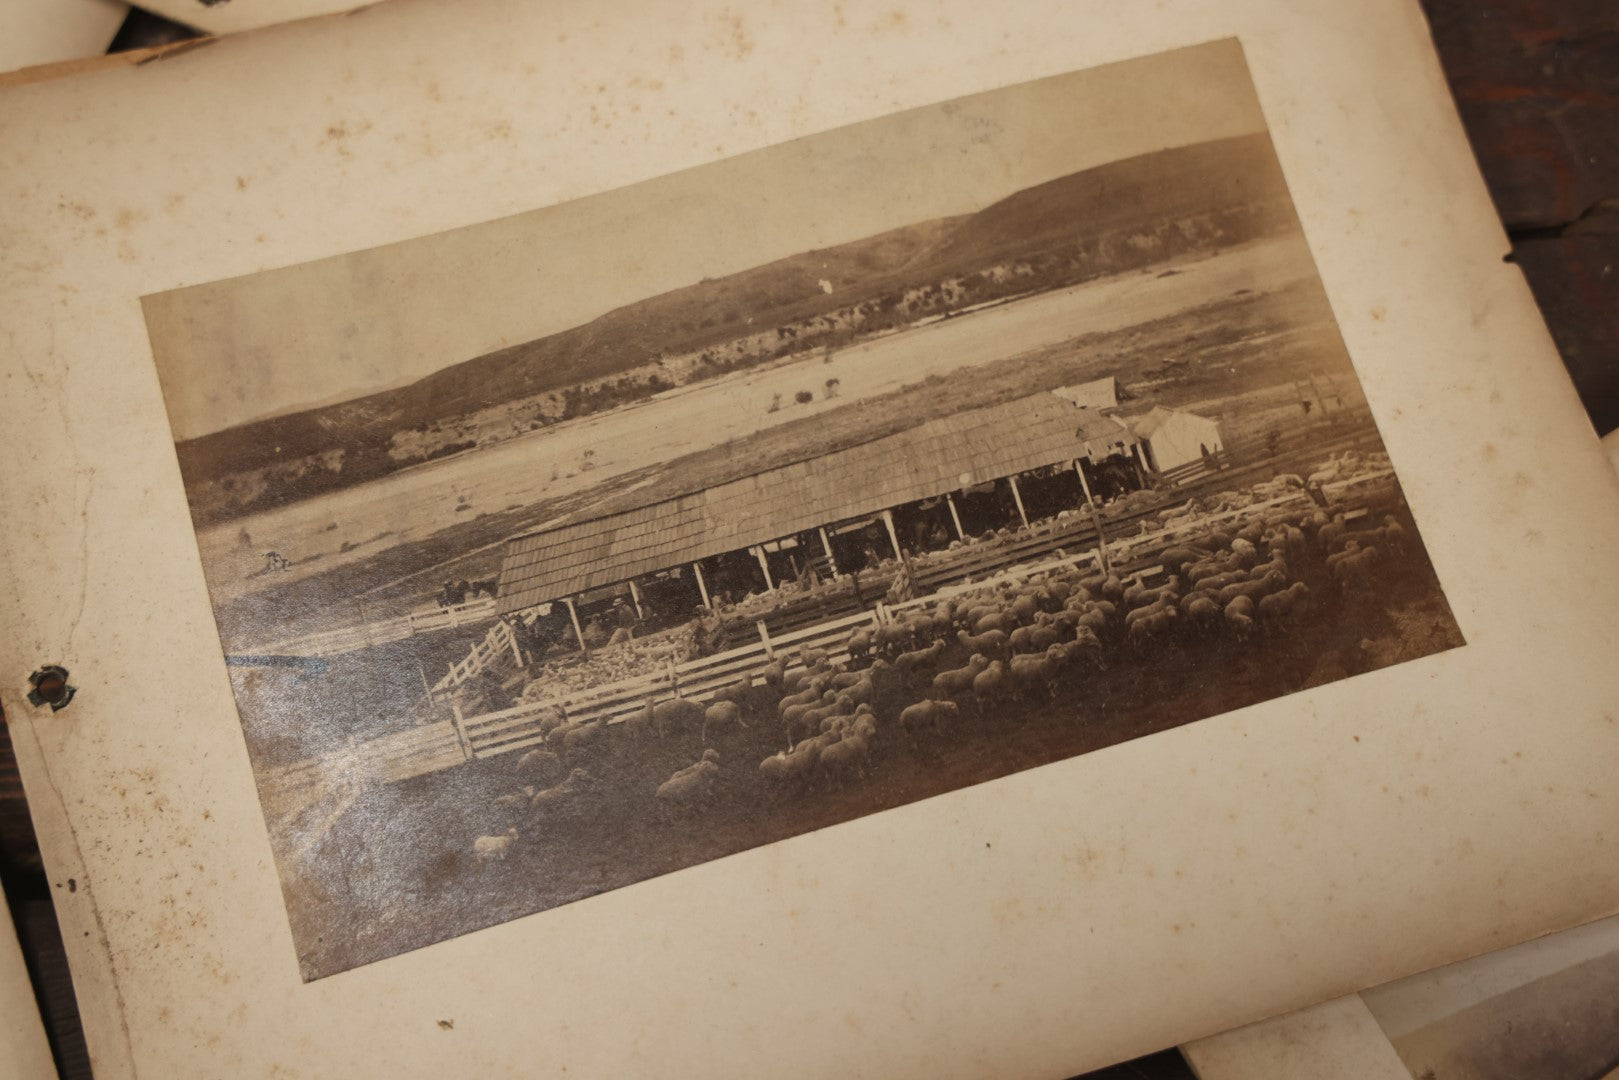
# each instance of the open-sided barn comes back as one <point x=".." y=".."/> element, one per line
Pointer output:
<point x="817" y="498"/>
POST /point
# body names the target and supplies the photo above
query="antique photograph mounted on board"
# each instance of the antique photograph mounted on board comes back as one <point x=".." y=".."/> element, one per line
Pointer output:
<point x="558" y="552"/>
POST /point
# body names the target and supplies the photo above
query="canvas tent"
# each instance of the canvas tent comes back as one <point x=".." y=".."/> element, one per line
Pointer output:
<point x="1171" y="437"/>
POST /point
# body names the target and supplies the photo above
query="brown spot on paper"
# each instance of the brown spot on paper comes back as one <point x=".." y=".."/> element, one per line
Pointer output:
<point x="735" y="40"/>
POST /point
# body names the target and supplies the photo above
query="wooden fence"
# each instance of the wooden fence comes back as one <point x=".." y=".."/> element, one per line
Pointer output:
<point x="444" y="743"/>
<point x="521" y="726"/>
<point x="370" y="634"/>
<point x="498" y="651"/>
<point x="1298" y="446"/>
<point x="1240" y="464"/>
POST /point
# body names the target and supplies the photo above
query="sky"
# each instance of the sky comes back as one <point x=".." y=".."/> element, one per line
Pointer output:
<point x="241" y="349"/>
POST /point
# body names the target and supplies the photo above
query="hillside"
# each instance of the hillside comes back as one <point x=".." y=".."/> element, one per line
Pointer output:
<point x="1083" y="225"/>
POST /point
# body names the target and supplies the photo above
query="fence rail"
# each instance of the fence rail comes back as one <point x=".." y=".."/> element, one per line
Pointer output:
<point x="368" y="635"/>
<point x="806" y="619"/>
<point x="498" y="651"/>
<point x="443" y="744"/>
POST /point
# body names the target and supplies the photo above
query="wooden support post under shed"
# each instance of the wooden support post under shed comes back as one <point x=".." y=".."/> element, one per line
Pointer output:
<point x="1017" y="497"/>
<point x="955" y="516"/>
<point x="764" y="564"/>
<point x="1096" y="519"/>
<point x="578" y="631"/>
<point x="893" y="534"/>
<point x="826" y="546"/>
<point x="635" y="598"/>
<point x="1084" y="484"/>
<point x="702" y="586"/>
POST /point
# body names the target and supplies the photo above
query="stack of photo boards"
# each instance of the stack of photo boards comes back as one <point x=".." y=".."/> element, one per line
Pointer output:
<point x="793" y="540"/>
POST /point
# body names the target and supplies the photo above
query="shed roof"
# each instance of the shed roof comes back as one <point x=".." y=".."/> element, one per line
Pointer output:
<point x="930" y="459"/>
<point x="1099" y="433"/>
<point x="1147" y="424"/>
<point x="1098" y="393"/>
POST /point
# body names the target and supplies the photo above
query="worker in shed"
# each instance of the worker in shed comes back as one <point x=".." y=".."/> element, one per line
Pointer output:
<point x="624" y="622"/>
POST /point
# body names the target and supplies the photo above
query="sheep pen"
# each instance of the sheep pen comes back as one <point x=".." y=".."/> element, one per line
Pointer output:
<point x="1065" y="663"/>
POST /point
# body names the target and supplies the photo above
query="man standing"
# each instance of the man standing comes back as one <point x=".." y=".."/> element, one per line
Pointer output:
<point x="623" y="622"/>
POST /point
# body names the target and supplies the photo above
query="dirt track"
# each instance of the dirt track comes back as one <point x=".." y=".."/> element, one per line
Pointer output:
<point x="397" y="872"/>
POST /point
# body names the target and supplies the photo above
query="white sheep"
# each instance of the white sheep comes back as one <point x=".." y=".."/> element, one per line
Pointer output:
<point x="847" y="757"/>
<point x="487" y="848"/>
<point x="691" y="784"/>
<point x="543" y="762"/>
<point x="722" y="716"/>
<point x="517" y="800"/>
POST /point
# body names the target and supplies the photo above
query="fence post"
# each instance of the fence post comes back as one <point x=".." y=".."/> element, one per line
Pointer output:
<point x="425" y="684"/>
<point x="764" y="636"/>
<point x="511" y="637"/>
<point x="461" y="732"/>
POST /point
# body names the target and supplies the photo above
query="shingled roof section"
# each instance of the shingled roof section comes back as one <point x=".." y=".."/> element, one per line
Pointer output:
<point x="1148" y="423"/>
<point x="923" y="462"/>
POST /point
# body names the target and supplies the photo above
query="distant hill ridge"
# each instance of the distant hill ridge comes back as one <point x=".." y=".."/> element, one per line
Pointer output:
<point x="1140" y="193"/>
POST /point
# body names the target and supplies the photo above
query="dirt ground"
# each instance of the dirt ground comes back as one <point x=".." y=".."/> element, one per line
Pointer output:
<point x="397" y="872"/>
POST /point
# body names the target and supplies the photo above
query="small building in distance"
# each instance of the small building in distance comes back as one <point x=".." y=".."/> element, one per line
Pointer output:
<point x="1097" y="394"/>
<point x="1170" y="438"/>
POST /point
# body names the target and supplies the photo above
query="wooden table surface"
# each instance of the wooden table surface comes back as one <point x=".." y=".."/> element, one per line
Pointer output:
<point x="1537" y="86"/>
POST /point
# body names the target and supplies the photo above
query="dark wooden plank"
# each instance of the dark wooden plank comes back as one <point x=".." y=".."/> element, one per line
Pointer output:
<point x="1537" y="86"/>
<point x="1575" y="279"/>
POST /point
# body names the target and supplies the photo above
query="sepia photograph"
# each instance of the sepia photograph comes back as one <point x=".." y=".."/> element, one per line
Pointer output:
<point x="559" y="552"/>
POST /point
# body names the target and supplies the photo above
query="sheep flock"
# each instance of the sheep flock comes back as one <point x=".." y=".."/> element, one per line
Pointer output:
<point x="982" y="661"/>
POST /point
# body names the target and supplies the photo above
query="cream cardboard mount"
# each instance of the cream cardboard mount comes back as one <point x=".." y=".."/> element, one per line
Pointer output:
<point x="1061" y="915"/>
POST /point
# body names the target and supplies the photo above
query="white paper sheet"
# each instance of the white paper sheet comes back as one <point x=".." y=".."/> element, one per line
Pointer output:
<point x="1056" y="920"/>
<point x="46" y="31"/>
